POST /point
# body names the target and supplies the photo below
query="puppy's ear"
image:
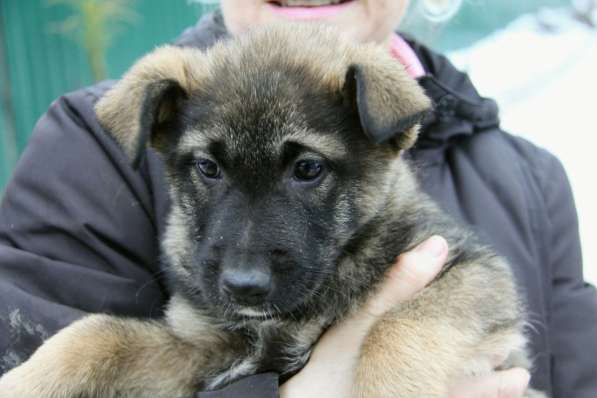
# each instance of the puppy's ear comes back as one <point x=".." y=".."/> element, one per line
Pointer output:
<point x="142" y="108"/>
<point x="389" y="102"/>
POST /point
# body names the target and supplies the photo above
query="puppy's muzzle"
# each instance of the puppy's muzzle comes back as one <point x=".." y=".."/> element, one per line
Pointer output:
<point x="246" y="287"/>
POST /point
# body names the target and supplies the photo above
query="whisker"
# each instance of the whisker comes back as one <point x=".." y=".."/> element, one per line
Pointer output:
<point x="154" y="278"/>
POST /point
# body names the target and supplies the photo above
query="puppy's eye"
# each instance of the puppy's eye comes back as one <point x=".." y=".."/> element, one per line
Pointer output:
<point x="308" y="169"/>
<point x="208" y="168"/>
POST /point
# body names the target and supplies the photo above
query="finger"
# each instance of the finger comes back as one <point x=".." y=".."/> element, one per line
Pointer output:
<point x="511" y="383"/>
<point x="411" y="273"/>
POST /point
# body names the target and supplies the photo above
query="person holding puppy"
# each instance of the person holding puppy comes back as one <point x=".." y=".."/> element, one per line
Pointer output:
<point x="86" y="242"/>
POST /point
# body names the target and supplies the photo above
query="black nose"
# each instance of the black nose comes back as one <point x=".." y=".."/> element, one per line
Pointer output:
<point x="246" y="287"/>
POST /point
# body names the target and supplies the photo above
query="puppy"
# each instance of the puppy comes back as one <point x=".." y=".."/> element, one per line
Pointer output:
<point x="290" y="200"/>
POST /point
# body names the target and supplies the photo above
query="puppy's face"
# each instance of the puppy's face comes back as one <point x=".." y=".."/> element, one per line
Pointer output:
<point x="268" y="185"/>
<point x="273" y="167"/>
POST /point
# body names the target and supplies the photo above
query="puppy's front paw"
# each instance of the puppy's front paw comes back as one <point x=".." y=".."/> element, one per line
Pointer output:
<point x="27" y="381"/>
<point x="44" y="376"/>
<point x="65" y="366"/>
<point x="11" y="386"/>
<point x="106" y="357"/>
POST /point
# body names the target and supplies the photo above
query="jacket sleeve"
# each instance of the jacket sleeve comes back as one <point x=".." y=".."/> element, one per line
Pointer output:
<point x="77" y="233"/>
<point x="263" y="385"/>
<point x="573" y="323"/>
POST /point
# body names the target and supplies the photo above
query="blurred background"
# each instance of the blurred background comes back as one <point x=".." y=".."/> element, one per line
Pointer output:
<point x="538" y="59"/>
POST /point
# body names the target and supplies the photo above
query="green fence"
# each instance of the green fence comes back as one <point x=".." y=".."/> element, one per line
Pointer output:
<point x="37" y="65"/>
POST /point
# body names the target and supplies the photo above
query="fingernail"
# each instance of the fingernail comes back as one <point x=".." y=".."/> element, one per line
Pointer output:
<point x="435" y="246"/>
<point x="523" y="375"/>
<point x="513" y="382"/>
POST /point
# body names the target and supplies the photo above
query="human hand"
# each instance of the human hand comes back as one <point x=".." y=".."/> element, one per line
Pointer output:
<point x="330" y="370"/>
<point x="511" y="383"/>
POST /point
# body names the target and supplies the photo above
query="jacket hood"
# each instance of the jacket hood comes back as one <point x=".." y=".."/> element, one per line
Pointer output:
<point x="458" y="109"/>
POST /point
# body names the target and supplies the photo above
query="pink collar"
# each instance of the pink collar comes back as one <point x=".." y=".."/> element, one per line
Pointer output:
<point x="403" y="52"/>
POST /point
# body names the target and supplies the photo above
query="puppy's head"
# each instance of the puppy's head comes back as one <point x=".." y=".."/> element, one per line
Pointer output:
<point x="279" y="147"/>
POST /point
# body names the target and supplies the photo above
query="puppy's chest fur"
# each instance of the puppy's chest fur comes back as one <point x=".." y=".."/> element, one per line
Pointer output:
<point x="276" y="346"/>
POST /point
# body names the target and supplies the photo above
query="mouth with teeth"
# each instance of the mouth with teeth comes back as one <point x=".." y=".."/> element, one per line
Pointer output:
<point x="308" y="9"/>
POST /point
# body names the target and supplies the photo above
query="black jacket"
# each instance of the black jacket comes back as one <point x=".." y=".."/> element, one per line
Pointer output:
<point x="79" y="228"/>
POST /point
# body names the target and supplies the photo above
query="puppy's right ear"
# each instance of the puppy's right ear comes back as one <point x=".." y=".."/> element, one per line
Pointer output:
<point x="142" y="108"/>
<point x="390" y="103"/>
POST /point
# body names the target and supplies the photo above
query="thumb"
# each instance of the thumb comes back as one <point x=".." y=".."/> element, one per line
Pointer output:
<point x="511" y="383"/>
<point x="411" y="273"/>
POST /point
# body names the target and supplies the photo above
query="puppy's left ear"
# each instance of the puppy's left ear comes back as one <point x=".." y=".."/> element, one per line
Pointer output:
<point x="143" y="108"/>
<point x="390" y="103"/>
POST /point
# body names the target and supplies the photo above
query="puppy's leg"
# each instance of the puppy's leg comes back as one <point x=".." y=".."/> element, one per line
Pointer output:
<point x="105" y="356"/>
<point x="458" y="325"/>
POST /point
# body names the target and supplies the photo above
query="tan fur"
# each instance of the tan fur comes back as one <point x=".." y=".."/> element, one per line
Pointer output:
<point x="188" y="323"/>
<point x="328" y="146"/>
<point x="194" y="142"/>
<point x="176" y="242"/>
